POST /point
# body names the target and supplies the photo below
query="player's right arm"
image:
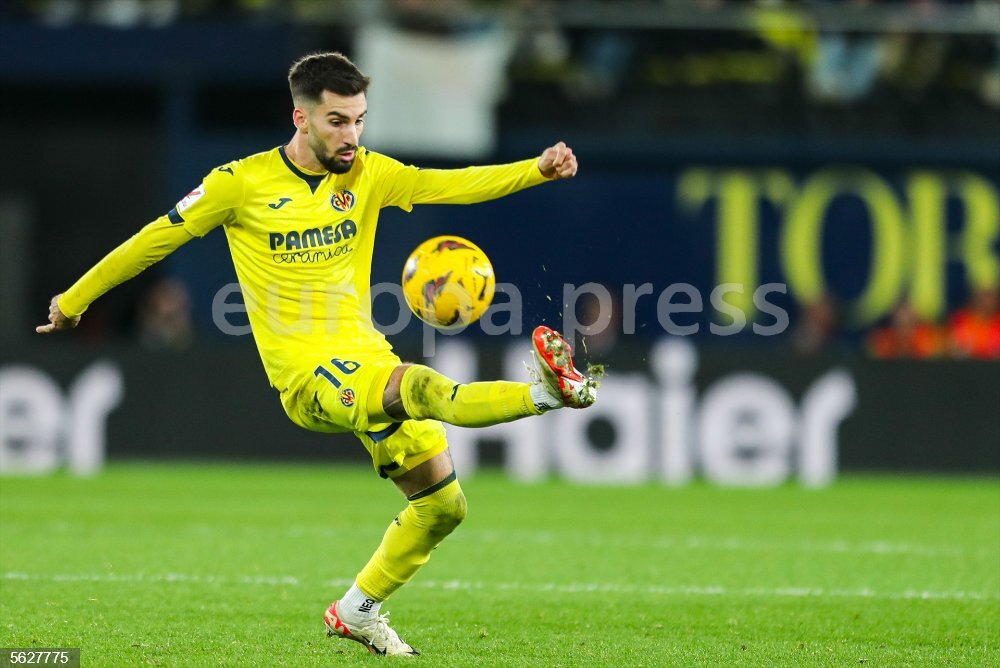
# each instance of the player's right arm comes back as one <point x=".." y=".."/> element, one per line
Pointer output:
<point x="204" y="208"/>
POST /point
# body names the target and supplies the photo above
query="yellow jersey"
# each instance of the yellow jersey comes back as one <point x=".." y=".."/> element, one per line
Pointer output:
<point x="301" y="244"/>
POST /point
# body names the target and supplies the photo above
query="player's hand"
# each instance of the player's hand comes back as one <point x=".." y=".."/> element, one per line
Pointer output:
<point x="57" y="320"/>
<point x="558" y="162"/>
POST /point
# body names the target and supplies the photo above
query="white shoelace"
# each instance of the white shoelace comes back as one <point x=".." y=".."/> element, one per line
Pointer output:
<point x="382" y="636"/>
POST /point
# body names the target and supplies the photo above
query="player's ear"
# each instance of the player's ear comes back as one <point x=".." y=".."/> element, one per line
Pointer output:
<point x="300" y="119"/>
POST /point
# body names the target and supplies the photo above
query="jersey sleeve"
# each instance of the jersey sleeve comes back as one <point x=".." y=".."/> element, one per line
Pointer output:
<point x="212" y="203"/>
<point x="148" y="246"/>
<point x="405" y="185"/>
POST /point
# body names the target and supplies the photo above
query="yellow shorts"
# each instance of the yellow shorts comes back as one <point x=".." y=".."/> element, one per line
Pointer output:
<point x="335" y="398"/>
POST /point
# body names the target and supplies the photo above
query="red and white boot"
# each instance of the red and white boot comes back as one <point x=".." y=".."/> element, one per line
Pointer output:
<point x="554" y="372"/>
<point x="375" y="634"/>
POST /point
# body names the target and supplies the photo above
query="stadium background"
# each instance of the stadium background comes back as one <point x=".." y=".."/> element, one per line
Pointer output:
<point x="156" y="506"/>
<point x="848" y="152"/>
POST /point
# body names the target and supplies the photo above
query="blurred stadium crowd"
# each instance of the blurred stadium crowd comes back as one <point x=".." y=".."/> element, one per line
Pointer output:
<point x="840" y="52"/>
<point x="970" y="332"/>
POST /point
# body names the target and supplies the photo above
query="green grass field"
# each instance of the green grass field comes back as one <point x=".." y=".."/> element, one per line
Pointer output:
<point x="214" y="564"/>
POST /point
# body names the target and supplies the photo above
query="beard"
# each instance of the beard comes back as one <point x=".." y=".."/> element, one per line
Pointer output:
<point x="332" y="163"/>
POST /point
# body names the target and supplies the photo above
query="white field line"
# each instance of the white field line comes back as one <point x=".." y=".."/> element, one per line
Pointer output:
<point x="721" y="543"/>
<point x="176" y="578"/>
<point x="621" y="540"/>
<point x="534" y="587"/>
<point x="716" y="543"/>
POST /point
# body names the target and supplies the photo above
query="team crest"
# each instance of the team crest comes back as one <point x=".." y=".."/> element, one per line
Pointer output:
<point x="343" y="200"/>
<point x="191" y="198"/>
<point x="347" y="397"/>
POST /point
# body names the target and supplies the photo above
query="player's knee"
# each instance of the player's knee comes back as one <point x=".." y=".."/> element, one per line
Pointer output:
<point x="448" y="513"/>
<point x="459" y="509"/>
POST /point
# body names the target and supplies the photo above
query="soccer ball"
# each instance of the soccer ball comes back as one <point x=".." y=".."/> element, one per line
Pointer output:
<point x="448" y="282"/>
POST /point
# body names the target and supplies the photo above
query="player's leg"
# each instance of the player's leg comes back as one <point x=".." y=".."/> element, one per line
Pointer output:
<point x="419" y="392"/>
<point x="415" y="456"/>
<point x="435" y="506"/>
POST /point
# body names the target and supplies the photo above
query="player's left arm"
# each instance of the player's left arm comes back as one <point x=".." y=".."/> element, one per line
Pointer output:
<point x="480" y="184"/>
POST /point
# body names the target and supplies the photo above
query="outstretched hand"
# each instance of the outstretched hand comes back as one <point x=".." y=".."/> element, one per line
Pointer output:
<point x="57" y="320"/>
<point x="558" y="162"/>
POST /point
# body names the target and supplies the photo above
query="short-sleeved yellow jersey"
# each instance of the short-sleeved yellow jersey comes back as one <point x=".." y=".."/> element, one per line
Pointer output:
<point x="302" y="245"/>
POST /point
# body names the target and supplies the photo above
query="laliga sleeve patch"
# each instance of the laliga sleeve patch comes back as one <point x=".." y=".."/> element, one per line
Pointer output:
<point x="191" y="198"/>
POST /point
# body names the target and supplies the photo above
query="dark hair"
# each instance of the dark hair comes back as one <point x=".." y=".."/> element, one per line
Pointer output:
<point x="310" y="75"/>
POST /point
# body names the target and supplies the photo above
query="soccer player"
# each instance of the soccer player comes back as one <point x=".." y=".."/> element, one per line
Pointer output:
<point x="300" y="221"/>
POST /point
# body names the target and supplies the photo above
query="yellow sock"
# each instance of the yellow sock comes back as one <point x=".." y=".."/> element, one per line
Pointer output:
<point x="429" y="395"/>
<point x="429" y="517"/>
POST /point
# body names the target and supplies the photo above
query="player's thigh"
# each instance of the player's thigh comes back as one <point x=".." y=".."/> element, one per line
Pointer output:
<point x="401" y="447"/>
<point x="339" y="396"/>
<point x="392" y="398"/>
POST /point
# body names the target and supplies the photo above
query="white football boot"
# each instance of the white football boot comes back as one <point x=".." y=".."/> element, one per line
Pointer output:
<point x="554" y="370"/>
<point x="375" y="634"/>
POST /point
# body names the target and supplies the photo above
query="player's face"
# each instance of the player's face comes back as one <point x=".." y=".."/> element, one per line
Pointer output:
<point x="335" y="127"/>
